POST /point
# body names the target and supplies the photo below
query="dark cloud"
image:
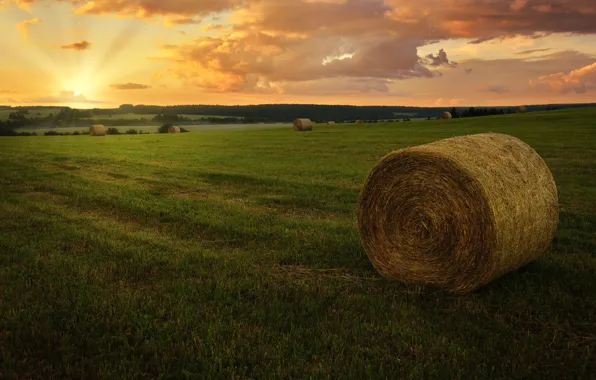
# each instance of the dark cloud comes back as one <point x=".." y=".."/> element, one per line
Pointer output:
<point x="440" y="59"/>
<point x="79" y="46"/>
<point x="497" y="89"/>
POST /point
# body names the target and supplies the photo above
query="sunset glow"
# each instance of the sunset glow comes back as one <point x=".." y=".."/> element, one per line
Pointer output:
<point x="104" y="53"/>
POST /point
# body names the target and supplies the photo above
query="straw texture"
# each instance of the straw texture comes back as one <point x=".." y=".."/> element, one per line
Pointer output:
<point x="446" y="116"/>
<point x="458" y="213"/>
<point x="172" y="129"/>
<point x="302" y="125"/>
<point x="97" y="130"/>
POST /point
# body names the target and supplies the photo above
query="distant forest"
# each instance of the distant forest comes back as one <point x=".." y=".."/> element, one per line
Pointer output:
<point x="18" y="117"/>
<point x="324" y="113"/>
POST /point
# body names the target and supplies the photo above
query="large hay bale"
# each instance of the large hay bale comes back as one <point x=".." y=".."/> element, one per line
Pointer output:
<point x="173" y="129"/>
<point x="446" y="116"/>
<point x="521" y="109"/>
<point x="97" y="130"/>
<point x="458" y="213"/>
<point x="302" y="125"/>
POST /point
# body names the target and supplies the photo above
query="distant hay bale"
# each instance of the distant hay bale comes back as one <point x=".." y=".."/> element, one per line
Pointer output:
<point x="97" y="130"/>
<point x="458" y="213"/>
<point x="521" y="109"/>
<point x="446" y="116"/>
<point x="359" y="122"/>
<point x="331" y="122"/>
<point x="173" y="129"/>
<point x="302" y="125"/>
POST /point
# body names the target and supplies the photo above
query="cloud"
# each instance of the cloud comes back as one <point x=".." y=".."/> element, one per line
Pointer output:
<point x="181" y="21"/>
<point x="151" y="8"/>
<point x="532" y="51"/>
<point x="338" y="86"/>
<point x="497" y="89"/>
<point x="24" y="26"/>
<point x="79" y="46"/>
<point x="579" y="81"/>
<point x="129" y="86"/>
<point x="483" y="20"/>
<point x="65" y="97"/>
<point x="212" y="27"/>
<point x="9" y="100"/>
<point x="439" y="60"/>
<point x="426" y="19"/>
<point x="256" y="61"/>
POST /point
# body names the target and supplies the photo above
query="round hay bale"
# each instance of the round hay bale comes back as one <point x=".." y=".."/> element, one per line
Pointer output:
<point x="331" y="122"/>
<point x="302" y="125"/>
<point x="521" y="109"/>
<point x="173" y="129"/>
<point x="359" y="122"/>
<point x="446" y="116"/>
<point x="458" y="213"/>
<point x="97" y="130"/>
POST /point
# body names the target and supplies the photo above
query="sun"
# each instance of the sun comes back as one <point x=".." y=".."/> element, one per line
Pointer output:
<point x="76" y="93"/>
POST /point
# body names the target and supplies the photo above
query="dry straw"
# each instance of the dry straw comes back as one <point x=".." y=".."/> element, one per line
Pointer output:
<point x="521" y="109"/>
<point x="97" y="130"/>
<point x="172" y="129"/>
<point x="458" y="213"/>
<point x="446" y="116"/>
<point x="302" y="125"/>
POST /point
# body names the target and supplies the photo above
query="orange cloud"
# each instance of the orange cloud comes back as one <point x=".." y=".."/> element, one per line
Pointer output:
<point x="65" y="97"/>
<point x="24" y="26"/>
<point x="151" y="8"/>
<point x="129" y="86"/>
<point x="81" y="45"/>
<point x="578" y="81"/>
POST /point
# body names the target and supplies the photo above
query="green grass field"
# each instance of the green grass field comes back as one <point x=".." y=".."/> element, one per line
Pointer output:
<point x="235" y="254"/>
<point x="154" y="128"/>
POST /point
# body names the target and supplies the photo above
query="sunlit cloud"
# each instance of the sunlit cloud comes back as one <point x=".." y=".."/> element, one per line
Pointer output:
<point x="129" y="86"/>
<point x="65" y="97"/>
<point x="24" y="26"/>
<point x="579" y="81"/>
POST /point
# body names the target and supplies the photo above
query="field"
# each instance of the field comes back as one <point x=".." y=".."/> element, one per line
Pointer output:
<point x="235" y="254"/>
<point x="154" y="128"/>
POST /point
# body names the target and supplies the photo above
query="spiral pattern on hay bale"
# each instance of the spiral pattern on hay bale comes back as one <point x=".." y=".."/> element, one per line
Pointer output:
<point x="458" y="213"/>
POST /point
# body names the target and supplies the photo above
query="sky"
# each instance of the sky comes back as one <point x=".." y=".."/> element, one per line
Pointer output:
<point x="104" y="53"/>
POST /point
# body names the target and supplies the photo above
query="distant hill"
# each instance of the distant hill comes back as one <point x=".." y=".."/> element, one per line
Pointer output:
<point x="289" y="112"/>
<point x="321" y="113"/>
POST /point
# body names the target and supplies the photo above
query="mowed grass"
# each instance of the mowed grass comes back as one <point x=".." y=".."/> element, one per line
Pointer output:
<point x="236" y="254"/>
<point x="154" y="128"/>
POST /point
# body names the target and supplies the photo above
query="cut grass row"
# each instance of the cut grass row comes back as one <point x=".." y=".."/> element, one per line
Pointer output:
<point x="236" y="254"/>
